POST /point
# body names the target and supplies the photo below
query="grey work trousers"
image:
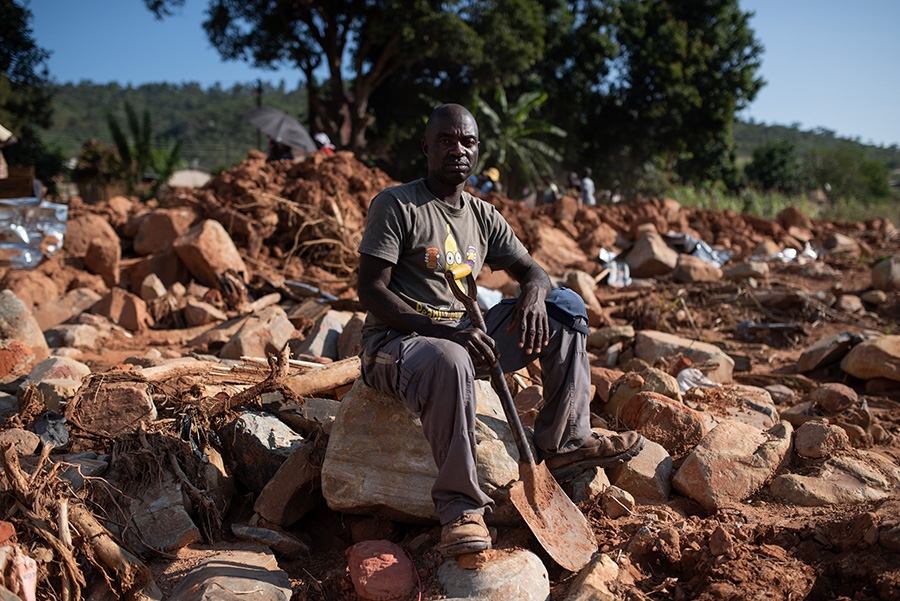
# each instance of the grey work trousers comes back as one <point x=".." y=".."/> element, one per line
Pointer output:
<point x="435" y="378"/>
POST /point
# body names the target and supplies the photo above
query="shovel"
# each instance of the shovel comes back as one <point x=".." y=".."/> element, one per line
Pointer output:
<point x="551" y="515"/>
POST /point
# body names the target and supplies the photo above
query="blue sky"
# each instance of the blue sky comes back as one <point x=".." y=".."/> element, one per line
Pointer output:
<point x="828" y="63"/>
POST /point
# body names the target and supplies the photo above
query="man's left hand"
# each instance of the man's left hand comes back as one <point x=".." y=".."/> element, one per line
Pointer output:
<point x="531" y="320"/>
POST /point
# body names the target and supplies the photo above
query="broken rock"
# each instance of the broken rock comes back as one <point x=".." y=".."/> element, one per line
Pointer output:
<point x="827" y="351"/>
<point x="323" y="340"/>
<point x="264" y="332"/>
<point x="886" y="274"/>
<point x="380" y="570"/>
<point x="65" y="307"/>
<point x="594" y="581"/>
<point x="160" y="519"/>
<point x="378" y="461"/>
<point x="157" y="231"/>
<point x="293" y="490"/>
<point x="648" y="476"/>
<point x="874" y="358"/>
<point x="517" y="574"/>
<point x="816" y="439"/>
<point x="17" y="323"/>
<point x="124" y="309"/>
<point x="694" y="269"/>
<point x="247" y="573"/>
<point x="841" y="479"/>
<point x="207" y="250"/>
<point x="732" y="462"/>
<point x="651" y="346"/>
<point x="651" y="257"/>
<point x="259" y="444"/>
<point x="668" y="422"/>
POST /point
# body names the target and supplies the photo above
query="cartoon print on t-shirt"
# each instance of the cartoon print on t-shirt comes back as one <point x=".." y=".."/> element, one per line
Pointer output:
<point x="435" y="260"/>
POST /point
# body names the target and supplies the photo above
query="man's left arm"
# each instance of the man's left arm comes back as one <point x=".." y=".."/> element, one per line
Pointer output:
<point x="530" y="316"/>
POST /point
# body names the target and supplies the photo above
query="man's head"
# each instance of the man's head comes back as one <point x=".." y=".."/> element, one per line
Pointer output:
<point x="451" y="144"/>
<point x="586" y="172"/>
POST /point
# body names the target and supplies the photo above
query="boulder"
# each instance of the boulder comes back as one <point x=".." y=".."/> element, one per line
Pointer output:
<point x="124" y="309"/>
<point x="517" y="574"/>
<point x="259" y="443"/>
<point x="583" y="284"/>
<point x="23" y="441"/>
<point x="15" y="359"/>
<point x="157" y="230"/>
<point x="102" y="258"/>
<point x="594" y="581"/>
<point x="348" y="341"/>
<point x="602" y="338"/>
<point x="691" y="269"/>
<point x="833" y="397"/>
<point x="649" y="380"/>
<point x="651" y="346"/>
<point x="166" y="266"/>
<point x="283" y="543"/>
<point x="17" y="323"/>
<point x="159" y="520"/>
<point x="849" y="303"/>
<point x="237" y="574"/>
<point x="616" y="502"/>
<point x="378" y="461"/>
<point x="152" y="288"/>
<point x="587" y="486"/>
<point x="816" y="439"/>
<point x="294" y="489"/>
<point x="886" y="274"/>
<point x="65" y="307"/>
<point x="794" y="217"/>
<point x="264" y="332"/>
<point x="827" y="351"/>
<point x="842" y="479"/>
<point x="874" y="358"/>
<point x="207" y="250"/>
<point x="85" y="229"/>
<point x="651" y="256"/>
<point x="322" y="341"/>
<point x="198" y="313"/>
<point x="732" y="462"/>
<point x="602" y="379"/>
<point x="748" y="404"/>
<point x="380" y="570"/>
<point x="746" y="270"/>
<point x="670" y="423"/>
<point x="30" y="286"/>
<point x="648" y="476"/>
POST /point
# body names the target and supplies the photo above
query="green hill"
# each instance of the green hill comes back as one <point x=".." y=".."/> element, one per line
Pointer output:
<point x="209" y="121"/>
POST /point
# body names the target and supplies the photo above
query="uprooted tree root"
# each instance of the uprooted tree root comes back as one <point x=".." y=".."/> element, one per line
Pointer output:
<point x="50" y="516"/>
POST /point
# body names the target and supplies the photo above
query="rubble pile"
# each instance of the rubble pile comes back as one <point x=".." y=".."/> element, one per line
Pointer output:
<point x="182" y="411"/>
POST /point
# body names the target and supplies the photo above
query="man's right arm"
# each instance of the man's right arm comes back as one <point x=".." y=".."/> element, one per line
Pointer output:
<point x="377" y="298"/>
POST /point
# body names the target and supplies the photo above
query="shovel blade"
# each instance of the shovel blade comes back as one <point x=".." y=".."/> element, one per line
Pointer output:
<point x="557" y="524"/>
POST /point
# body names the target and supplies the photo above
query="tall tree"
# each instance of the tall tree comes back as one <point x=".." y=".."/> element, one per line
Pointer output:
<point x="25" y="91"/>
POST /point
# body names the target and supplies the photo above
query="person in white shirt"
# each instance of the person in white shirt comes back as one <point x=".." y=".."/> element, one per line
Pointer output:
<point x="587" y="188"/>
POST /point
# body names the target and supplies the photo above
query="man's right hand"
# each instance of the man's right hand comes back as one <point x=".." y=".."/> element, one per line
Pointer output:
<point x="481" y="347"/>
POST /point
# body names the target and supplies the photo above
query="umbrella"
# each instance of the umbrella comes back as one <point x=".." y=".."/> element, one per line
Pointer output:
<point x="282" y="128"/>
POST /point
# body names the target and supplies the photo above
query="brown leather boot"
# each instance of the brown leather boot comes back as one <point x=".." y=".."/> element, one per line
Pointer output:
<point x="465" y="534"/>
<point x="597" y="451"/>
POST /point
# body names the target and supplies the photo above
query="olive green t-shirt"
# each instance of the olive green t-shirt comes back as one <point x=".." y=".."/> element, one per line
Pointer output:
<point x="423" y="237"/>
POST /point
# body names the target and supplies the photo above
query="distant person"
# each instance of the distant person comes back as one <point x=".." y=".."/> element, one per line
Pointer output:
<point x="587" y="188"/>
<point x="552" y="192"/>
<point x="279" y="151"/>
<point x="6" y="139"/>
<point x="492" y="181"/>
<point x="574" y="187"/>
<point x="323" y="143"/>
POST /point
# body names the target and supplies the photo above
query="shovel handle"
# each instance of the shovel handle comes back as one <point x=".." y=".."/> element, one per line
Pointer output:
<point x="469" y="299"/>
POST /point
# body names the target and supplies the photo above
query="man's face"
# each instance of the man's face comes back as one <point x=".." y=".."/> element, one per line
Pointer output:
<point x="451" y="145"/>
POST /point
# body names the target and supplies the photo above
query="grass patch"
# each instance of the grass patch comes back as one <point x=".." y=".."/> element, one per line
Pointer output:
<point x="768" y="205"/>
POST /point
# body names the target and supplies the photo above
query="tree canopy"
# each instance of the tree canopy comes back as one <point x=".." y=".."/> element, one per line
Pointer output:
<point x="641" y="85"/>
<point x="25" y="91"/>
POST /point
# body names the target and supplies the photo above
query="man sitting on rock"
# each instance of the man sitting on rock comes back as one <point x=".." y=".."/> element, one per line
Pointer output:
<point x="418" y="345"/>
